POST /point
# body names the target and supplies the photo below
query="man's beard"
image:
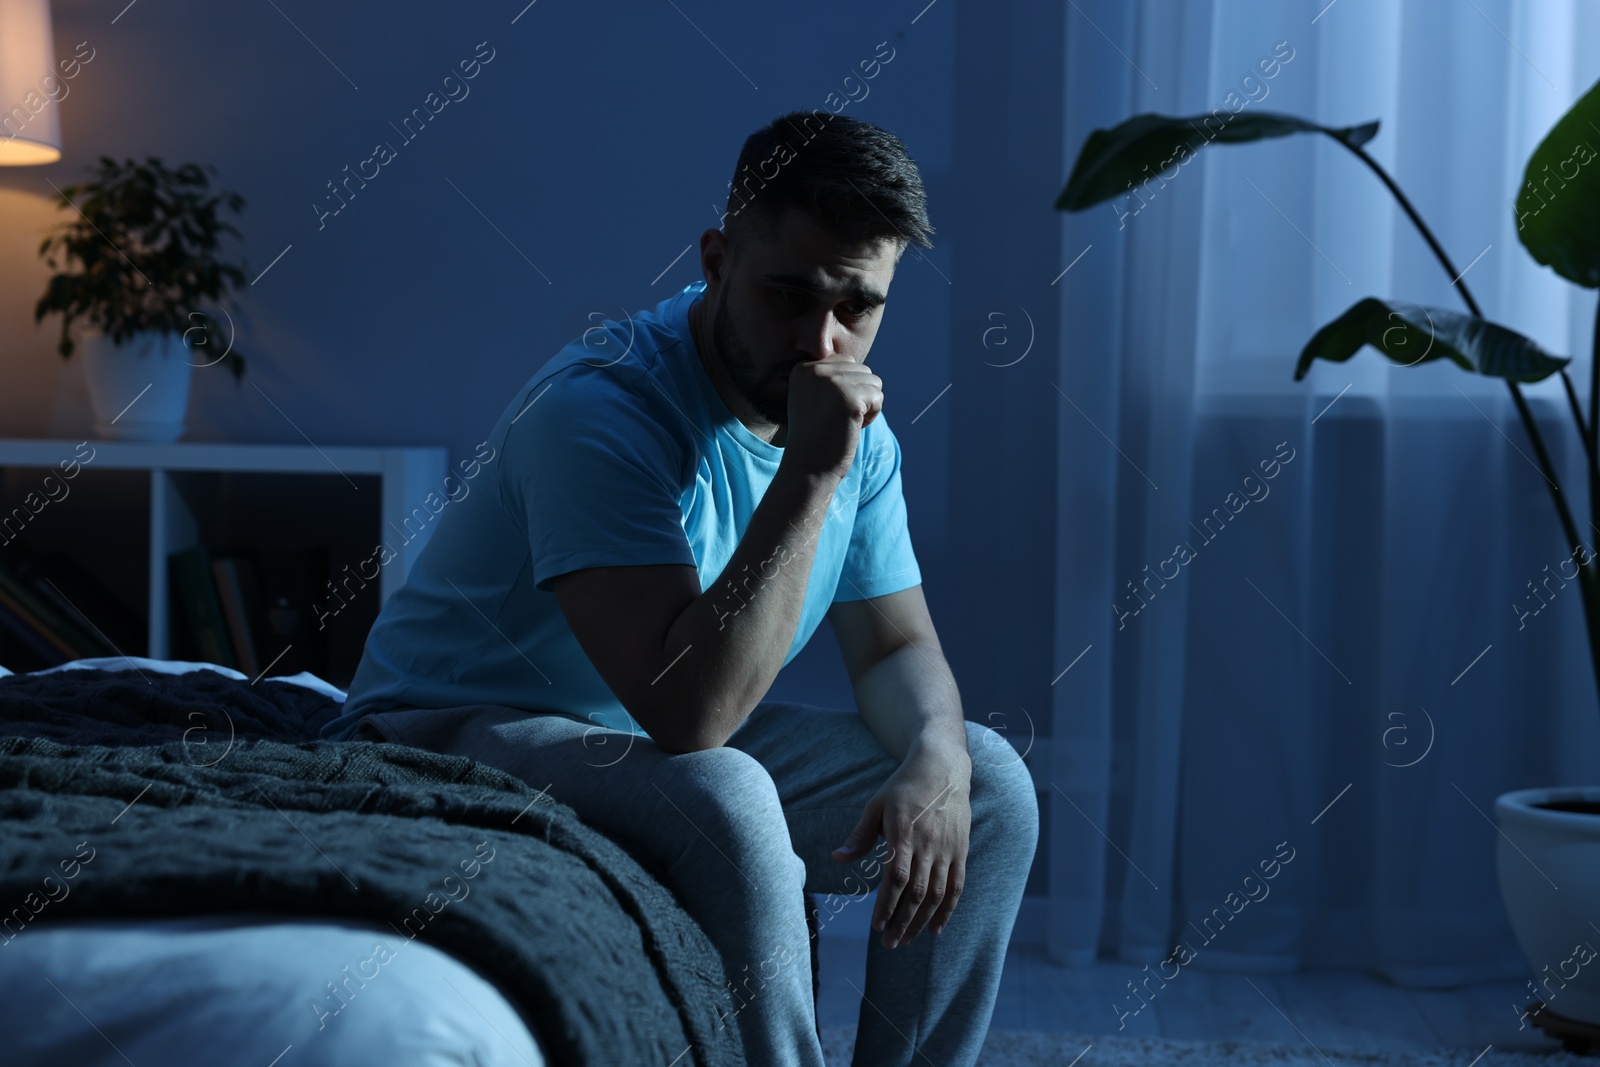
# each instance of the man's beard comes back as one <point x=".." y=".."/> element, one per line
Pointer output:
<point x="740" y="368"/>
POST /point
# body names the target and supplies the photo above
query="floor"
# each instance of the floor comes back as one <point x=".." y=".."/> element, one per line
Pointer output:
<point x="1346" y="1008"/>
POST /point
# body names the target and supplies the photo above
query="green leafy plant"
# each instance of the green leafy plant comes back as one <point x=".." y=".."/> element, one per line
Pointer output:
<point x="141" y="256"/>
<point x="1558" y="222"/>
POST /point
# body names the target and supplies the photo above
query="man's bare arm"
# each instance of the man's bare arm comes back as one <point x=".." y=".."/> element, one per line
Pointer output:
<point x="690" y="668"/>
<point x="691" y="665"/>
<point x="907" y="696"/>
<point x="903" y="686"/>
<point x="728" y="645"/>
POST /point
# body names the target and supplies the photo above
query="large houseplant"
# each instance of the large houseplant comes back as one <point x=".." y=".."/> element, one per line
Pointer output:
<point x="1549" y="836"/>
<point x="141" y="250"/>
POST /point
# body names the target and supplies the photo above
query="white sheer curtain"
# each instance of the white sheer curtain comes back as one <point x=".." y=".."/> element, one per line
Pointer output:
<point x="1336" y="672"/>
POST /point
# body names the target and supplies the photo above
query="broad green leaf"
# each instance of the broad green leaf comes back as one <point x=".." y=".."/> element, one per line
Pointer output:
<point x="1410" y="334"/>
<point x="1113" y="161"/>
<point x="1558" y="209"/>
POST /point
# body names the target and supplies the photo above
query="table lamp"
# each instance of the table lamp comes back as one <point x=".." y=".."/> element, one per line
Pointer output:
<point x="30" y="86"/>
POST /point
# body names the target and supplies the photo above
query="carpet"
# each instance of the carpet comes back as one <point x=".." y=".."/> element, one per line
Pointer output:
<point x="1021" y="1048"/>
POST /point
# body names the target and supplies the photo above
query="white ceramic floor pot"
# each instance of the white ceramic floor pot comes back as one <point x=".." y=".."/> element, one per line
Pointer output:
<point x="1548" y="859"/>
<point x="139" y="389"/>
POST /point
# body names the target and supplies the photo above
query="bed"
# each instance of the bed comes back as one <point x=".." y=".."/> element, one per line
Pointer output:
<point x="188" y="875"/>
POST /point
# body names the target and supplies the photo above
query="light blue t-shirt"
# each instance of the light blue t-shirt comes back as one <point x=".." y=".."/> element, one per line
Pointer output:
<point x="618" y="451"/>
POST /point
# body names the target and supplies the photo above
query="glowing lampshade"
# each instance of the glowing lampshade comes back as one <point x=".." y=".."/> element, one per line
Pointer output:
<point x="30" y="119"/>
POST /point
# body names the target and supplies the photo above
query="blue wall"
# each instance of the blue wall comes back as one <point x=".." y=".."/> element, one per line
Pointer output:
<point x="588" y="153"/>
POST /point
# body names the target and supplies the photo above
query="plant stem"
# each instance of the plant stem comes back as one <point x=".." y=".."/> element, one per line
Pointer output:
<point x="1588" y="574"/>
<point x="1588" y="583"/>
<point x="1586" y="431"/>
<point x="1594" y="390"/>
<point x="1584" y="435"/>
<point x="1594" y="407"/>
<point x="1555" y="489"/>
<point x="1416" y="220"/>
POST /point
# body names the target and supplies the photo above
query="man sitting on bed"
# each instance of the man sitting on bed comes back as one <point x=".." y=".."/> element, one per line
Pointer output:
<point x="672" y="506"/>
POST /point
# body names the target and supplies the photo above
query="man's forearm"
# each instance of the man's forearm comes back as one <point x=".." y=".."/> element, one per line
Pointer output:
<point x="909" y="700"/>
<point x="733" y="639"/>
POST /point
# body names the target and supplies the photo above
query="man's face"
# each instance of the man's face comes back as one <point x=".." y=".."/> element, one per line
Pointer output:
<point x="803" y="295"/>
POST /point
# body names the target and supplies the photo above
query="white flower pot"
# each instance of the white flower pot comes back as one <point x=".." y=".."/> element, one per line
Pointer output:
<point x="1549" y="870"/>
<point x="139" y="389"/>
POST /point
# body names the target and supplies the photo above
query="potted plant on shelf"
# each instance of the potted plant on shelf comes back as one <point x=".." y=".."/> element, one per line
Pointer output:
<point x="1548" y="833"/>
<point x="141" y="256"/>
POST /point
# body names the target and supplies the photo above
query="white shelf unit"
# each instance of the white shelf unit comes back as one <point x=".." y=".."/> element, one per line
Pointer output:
<point x="406" y="475"/>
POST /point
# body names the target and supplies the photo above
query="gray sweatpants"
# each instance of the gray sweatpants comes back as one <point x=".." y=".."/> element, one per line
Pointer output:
<point x="739" y="830"/>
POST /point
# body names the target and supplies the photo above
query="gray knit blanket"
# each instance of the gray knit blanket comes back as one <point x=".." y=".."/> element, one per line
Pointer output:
<point x="196" y="793"/>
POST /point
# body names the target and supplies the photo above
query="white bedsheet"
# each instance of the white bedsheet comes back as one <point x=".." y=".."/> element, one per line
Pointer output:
<point x="183" y="666"/>
<point x="247" y="989"/>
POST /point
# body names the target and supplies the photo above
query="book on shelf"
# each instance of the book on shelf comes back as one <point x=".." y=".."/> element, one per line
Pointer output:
<point x="201" y="607"/>
<point x="34" y="631"/>
<point x="22" y="646"/>
<point x="53" y="610"/>
<point x="56" y="576"/>
<point x="239" y="593"/>
<point x="249" y="608"/>
<point x="53" y="621"/>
